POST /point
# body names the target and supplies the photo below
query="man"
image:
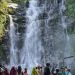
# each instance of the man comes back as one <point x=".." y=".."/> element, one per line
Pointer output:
<point x="47" y="69"/>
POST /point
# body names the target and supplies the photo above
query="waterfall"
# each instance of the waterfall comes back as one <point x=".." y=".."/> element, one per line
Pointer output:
<point x="68" y="49"/>
<point x="49" y="38"/>
<point x="13" y="49"/>
<point x="31" y="52"/>
<point x="45" y="37"/>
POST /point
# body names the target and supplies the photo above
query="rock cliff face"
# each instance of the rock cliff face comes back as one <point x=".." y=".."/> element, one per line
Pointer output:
<point x="51" y="29"/>
<point x="54" y="32"/>
<point x="54" y="27"/>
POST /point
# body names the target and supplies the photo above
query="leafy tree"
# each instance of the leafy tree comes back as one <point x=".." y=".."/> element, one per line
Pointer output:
<point x="3" y="13"/>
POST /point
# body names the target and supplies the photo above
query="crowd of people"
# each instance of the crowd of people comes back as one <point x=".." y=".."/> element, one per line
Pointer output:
<point x="38" y="70"/>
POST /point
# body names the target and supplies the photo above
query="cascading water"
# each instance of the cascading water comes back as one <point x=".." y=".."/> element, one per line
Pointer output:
<point x="68" y="48"/>
<point x="13" y="49"/>
<point x="45" y="38"/>
<point x="31" y="52"/>
<point x="51" y="52"/>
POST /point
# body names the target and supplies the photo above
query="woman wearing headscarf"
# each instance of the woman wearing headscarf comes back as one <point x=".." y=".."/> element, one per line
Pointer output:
<point x="13" y="71"/>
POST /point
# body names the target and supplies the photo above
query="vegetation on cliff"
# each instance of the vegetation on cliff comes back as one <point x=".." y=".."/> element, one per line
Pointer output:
<point x="5" y="10"/>
<point x="71" y="8"/>
<point x="3" y="16"/>
<point x="71" y="14"/>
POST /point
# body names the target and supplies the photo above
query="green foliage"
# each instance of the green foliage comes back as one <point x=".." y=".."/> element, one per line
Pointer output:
<point x="3" y="12"/>
<point x="3" y="7"/>
<point x="71" y="14"/>
<point x="71" y="8"/>
<point x="2" y="25"/>
<point x="20" y="1"/>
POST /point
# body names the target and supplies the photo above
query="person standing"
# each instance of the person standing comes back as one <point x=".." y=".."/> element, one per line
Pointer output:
<point x="5" y="72"/>
<point x="34" y="72"/>
<point x="62" y="71"/>
<point x="13" y="71"/>
<point x="57" y="72"/>
<point x="39" y="70"/>
<point x="19" y="71"/>
<point x="25" y="72"/>
<point x="69" y="72"/>
<point x="47" y="69"/>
